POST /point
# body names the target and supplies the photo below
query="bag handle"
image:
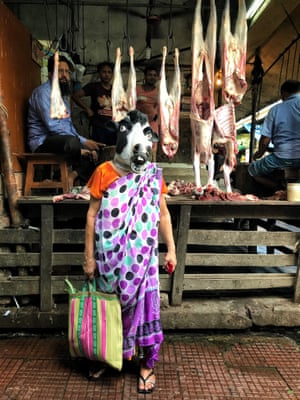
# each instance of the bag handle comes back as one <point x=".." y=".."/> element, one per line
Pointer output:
<point x="89" y="286"/>
<point x="92" y="285"/>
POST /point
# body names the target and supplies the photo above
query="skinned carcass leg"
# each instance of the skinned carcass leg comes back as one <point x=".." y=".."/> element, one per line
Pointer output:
<point x="131" y="87"/>
<point x="169" y="107"/>
<point x="202" y="96"/>
<point x="233" y="50"/>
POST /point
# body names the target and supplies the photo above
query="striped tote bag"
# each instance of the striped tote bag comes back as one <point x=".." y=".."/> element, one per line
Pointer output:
<point x="95" y="325"/>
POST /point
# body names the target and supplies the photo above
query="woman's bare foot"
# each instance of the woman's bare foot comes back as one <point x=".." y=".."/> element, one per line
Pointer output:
<point x="146" y="380"/>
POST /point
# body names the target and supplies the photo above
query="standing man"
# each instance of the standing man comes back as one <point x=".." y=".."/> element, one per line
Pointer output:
<point x="282" y="128"/>
<point x="51" y="135"/>
<point x="100" y="109"/>
<point x="147" y="100"/>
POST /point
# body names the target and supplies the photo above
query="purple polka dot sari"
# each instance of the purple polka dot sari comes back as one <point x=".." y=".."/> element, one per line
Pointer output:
<point x="126" y="251"/>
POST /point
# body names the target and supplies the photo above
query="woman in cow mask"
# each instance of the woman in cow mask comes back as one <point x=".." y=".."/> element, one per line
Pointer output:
<point x="127" y="208"/>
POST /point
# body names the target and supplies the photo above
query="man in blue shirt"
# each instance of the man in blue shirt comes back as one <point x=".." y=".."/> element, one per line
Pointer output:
<point x="50" y="135"/>
<point x="282" y="128"/>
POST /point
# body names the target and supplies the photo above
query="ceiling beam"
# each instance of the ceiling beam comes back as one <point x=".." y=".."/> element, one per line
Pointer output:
<point x="187" y="6"/>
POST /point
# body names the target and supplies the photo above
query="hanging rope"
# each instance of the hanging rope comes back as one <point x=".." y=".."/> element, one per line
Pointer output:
<point x="108" y="43"/>
<point x="47" y="24"/>
<point x="290" y="19"/>
<point x="170" y="30"/>
<point x="280" y="74"/>
<point x="295" y="58"/>
<point x="287" y="64"/>
<point x="83" y="48"/>
<point x="125" y="41"/>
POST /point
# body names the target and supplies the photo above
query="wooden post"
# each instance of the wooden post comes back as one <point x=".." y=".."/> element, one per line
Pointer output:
<point x="297" y="281"/>
<point x="182" y="237"/>
<point x="7" y="168"/>
<point x="47" y="225"/>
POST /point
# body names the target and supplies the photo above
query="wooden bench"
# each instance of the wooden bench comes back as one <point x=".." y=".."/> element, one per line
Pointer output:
<point x="35" y="160"/>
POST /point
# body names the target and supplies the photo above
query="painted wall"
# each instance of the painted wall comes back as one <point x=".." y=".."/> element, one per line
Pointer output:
<point x="19" y="74"/>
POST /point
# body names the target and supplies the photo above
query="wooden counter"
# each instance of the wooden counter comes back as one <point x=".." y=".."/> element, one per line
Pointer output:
<point x="217" y="249"/>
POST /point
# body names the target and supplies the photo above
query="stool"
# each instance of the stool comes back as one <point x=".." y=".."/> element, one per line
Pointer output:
<point x="34" y="160"/>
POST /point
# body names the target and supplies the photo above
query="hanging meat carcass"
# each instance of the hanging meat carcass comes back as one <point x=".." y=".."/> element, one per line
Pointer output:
<point x="233" y="53"/>
<point x="169" y="107"/>
<point x="202" y="96"/>
<point x="123" y="101"/>
<point x="118" y="95"/>
<point x="58" y="108"/>
<point x="233" y="59"/>
<point x="214" y="128"/>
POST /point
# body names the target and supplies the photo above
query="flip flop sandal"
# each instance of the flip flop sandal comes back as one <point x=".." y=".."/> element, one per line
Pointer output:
<point x="145" y="381"/>
<point x="96" y="373"/>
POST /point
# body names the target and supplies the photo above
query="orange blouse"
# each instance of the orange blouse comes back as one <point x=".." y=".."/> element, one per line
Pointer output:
<point x="103" y="176"/>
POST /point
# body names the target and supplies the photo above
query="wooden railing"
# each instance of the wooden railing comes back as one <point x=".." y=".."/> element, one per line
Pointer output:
<point x="218" y="250"/>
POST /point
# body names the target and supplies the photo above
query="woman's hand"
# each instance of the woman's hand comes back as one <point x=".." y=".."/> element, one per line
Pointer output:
<point x="89" y="267"/>
<point x="170" y="261"/>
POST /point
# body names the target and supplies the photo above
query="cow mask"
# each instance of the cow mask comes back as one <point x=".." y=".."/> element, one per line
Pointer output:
<point x="134" y="142"/>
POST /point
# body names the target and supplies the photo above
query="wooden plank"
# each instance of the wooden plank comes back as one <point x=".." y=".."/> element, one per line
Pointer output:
<point x="241" y="259"/>
<point x="20" y="286"/>
<point x="19" y="236"/>
<point x="32" y="318"/>
<point x="183" y="226"/>
<point x="237" y="281"/>
<point x="241" y="209"/>
<point x="12" y="260"/>
<point x="30" y="285"/>
<point x="65" y="258"/>
<point x="243" y="238"/>
<point x="58" y="284"/>
<point x="47" y="218"/>
<point x="67" y="236"/>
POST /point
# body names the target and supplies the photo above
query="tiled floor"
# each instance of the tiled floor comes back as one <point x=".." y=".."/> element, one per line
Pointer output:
<point x="196" y="366"/>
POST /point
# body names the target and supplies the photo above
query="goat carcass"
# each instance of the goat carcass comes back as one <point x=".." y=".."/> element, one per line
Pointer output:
<point x="169" y="107"/>
<point x="202" y="96"/>
<point x="123" y="101"/>
<point x="58" y="108"/>
<point x="233" y="58"/>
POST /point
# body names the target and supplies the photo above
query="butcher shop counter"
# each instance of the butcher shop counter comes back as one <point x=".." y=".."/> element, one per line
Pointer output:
<point x="224" y="248"/>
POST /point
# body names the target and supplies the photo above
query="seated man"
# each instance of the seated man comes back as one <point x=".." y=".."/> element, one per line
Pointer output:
<point x="50" y="135"/>
<point x="281" y="127"/>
